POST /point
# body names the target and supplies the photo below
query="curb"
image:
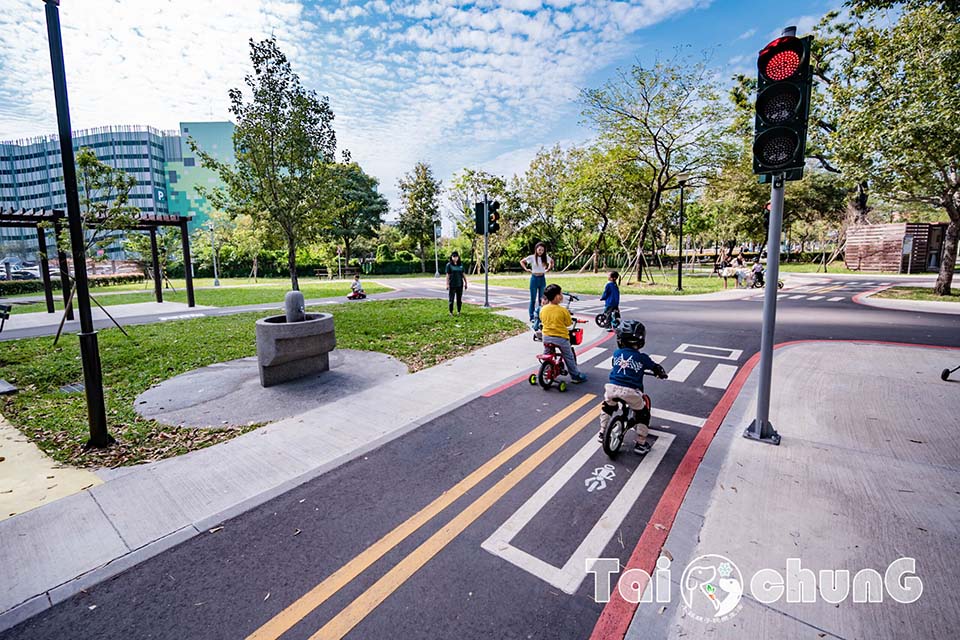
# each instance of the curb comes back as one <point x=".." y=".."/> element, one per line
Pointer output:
<point x="910" y="306"/>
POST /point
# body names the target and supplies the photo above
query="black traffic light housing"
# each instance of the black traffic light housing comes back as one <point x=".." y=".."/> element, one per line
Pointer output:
<point x="478" y="218"/>
<point x="784" y="81"/>
<point x="494" y="209"/>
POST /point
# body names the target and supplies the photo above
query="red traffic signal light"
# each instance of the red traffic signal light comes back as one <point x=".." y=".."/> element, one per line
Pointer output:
<point x="783" y="105"/>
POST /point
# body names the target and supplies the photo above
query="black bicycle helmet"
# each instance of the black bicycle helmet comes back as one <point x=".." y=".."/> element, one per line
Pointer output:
<point x="632" y="334"/>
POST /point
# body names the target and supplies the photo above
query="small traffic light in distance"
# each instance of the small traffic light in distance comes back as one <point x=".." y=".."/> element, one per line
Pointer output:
<point x="494" y="217"/>
<point x="478" y="218"/>
<point x="784" y="81"/>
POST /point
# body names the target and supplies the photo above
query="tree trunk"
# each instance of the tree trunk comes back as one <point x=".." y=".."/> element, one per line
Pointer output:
<point x="255" y="267"/>
<point x="346" y="250"/>
<point x="857" y="208"/>
<point x="423" y="260"/>
<point x="945" y="277"/>
<point x="292" y="263"/>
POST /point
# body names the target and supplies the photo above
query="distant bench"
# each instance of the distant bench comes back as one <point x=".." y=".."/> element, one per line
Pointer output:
<point x="348" y="272"/>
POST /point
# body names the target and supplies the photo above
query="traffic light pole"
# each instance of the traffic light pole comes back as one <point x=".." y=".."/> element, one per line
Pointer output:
<point x="761" y="429"/>
<point x="486" y="264"/>
<point x="89" y="350"/>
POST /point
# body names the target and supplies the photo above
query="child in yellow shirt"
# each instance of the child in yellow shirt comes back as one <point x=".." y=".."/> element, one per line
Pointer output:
<point x="556" y="322"/>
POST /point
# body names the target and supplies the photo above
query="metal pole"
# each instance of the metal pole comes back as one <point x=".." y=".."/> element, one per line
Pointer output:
<point x="45" y="270"/>
<point x="680" y="244"/>
<point x="761" y="429"/>
<point x="436" y="254"/>
<point x="89" y="350"/>
<point x="64" y="271"/>
<point x="187" y="261"/>
<point x="155" y="263"/>
<point x="486" y="262"/>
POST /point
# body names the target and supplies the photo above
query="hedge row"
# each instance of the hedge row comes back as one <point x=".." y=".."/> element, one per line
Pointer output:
<point x="17" y="287"/>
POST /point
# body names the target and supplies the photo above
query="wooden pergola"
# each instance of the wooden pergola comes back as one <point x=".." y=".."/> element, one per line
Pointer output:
<point x="36" y="218"/>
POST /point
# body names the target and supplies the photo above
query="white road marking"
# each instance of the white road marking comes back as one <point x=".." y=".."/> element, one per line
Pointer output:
<point x="731" y="354"/>
<point x="608" y="364"/>
<point x="682" y="418"/>
<point x="884" y="283"/>
<point x="182" y="316"/>
<point x="797" y="297"/>
<point x="721" y="376"/>
<point x="569" y="577"/>
<point x="781" y="296"/>
<point x="682" y="370"/>
<point x="835" y="299"/>
<point x="816" y="297"/>
<point x="593" y="353"/>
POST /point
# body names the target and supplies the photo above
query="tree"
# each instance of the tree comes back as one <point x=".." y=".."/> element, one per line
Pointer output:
<point x="420" y="201"/>
<point x="596" y="192"/>
<point x="897" y="122"/>
<point x="356" y="208"/>
<point x="668" y="118"/>
<point x="104" y="202"/>
<point x="284" y="143"/>
<point x="539" y="192"/>
<point x="168" y="249"/>
<point x="468" y="187"/>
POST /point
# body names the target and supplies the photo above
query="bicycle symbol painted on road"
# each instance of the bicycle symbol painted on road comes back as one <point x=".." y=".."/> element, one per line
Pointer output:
<point x="601" y="475"/>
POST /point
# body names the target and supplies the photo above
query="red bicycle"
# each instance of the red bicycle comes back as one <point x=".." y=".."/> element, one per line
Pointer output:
<point x="552" y="365"/>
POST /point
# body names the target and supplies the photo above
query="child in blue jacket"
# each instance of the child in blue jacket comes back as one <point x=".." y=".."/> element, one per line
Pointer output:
<point x="611" y="298"/>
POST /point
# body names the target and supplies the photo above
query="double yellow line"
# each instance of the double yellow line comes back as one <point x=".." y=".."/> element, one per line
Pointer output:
<point x="356" y="611"/>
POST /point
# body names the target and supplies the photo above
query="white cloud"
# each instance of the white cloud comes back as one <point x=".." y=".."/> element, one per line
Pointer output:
<point x="445" y="81"/>
<point x="749" y="33"/>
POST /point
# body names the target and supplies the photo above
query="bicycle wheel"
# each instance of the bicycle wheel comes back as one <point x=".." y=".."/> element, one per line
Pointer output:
<point x="613" y="435"/>
<point x="546" y="375"/>
<point x="601" y="320"/>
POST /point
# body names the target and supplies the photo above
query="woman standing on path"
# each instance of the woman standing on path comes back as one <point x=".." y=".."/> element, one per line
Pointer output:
<point x="456" y="281"/>
<point x="537" y="264"/>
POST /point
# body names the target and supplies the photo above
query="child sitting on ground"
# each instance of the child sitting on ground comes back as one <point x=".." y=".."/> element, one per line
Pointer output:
<point x="556" y="321"/>
<point x="626" y="379"/>
<point x="611" y="296"/>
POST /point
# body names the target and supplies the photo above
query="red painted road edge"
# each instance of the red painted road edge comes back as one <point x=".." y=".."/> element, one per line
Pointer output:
<point x="618" y="613"/>
<point x="510" y="383"/>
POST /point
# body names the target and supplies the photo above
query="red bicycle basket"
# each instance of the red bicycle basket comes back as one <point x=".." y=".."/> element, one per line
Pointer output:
<point x="576" y="337"/>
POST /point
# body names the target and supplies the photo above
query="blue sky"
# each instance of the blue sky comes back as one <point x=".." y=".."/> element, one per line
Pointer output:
<point x="455" y="84"/>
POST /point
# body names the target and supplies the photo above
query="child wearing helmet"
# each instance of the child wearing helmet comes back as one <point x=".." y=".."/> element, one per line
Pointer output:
<point x="626" y="378"/>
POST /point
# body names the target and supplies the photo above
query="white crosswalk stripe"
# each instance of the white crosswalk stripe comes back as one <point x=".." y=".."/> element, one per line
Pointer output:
<point x="835" y="299"/>
<point x="721" y="376"/>
<point x="590" y="355"/>
<point x="781" y="296"/>
<point x="682" y="370"/>
<point x="797" y="297"/>
<point x="816" y="297"/>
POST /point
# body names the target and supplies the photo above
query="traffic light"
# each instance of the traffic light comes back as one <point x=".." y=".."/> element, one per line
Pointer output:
<point x="478" y="214"/>
<point x="784" y="81"/>
<point x="494" y="224"/>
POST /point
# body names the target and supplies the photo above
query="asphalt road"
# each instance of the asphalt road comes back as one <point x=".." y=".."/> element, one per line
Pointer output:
<point x="507" y="493"/>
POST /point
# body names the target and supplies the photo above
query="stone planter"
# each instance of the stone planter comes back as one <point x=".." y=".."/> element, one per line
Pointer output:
<point x="290" y="350"/>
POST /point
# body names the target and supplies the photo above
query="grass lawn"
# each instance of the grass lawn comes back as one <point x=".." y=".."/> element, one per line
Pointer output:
<point x="418" y="332"/>
<point x="917" y="293"/>
<point x="222" y="297"/>
<point x="592" y="285"/>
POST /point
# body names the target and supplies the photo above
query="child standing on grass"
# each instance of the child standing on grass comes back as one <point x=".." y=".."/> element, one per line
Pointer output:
<point x="556" y="330"/>
<point x="611" y="297"/>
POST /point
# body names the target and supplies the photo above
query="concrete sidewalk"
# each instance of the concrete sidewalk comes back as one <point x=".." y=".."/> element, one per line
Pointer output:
<point x="121" y="311"/>
<point x="870" y="299"/>
<point x="868" y="472"/>
<point x="52" y="552"/>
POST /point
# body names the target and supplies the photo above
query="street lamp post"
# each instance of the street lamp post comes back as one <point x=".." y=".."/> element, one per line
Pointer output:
<point x="436" y="251"/>
<point x="682" y="179"/>
<point x="89" y="349"/>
